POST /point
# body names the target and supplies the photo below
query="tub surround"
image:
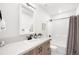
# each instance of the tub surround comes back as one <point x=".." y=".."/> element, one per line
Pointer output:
<point x="21" y="47"/>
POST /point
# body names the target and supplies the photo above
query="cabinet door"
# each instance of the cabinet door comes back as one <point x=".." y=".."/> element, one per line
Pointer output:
<point x="39" y="50"/>
<point x="43" y="49"/>
<point x="35" y="51"/>
<point x="47" y="48"/>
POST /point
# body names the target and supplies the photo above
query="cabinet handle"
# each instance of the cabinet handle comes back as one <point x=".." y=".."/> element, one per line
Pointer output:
<point x="48" y="49"/>
<point x="40" y="50"/>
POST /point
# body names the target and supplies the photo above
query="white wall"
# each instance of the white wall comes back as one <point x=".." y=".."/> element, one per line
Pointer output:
<point x="60" y="31"/>
<point x="77" y="10"/>
<point x="40" y="17"/>
<point x="10" y="14"/>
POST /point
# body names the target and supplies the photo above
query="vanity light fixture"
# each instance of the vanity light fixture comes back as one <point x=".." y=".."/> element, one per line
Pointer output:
<point x="30" y="5"/>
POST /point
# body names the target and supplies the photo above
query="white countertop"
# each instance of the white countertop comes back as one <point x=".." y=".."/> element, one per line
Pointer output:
<point x="21" y="47"/>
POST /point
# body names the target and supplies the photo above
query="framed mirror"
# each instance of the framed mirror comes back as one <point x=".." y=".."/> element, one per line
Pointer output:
<point x="26" y="19"/>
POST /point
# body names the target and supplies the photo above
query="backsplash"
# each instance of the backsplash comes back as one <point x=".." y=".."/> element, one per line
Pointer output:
<point x="13" y="39"/>
<point x="19" y="38"/>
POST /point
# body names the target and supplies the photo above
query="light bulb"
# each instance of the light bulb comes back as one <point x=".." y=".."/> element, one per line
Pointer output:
<point x="59" y="11"/>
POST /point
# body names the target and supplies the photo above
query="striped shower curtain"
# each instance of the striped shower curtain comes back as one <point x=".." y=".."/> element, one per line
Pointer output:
<point x="73" y="41"/>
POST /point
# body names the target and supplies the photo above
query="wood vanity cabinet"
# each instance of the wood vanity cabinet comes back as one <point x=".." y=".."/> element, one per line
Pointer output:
<point x="42" y="49"/>
<point x="46" y="48"/>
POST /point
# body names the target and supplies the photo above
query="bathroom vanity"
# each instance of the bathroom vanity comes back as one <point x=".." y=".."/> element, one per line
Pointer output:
<point x="42" y="49"/>
<point x="27" y="47"/>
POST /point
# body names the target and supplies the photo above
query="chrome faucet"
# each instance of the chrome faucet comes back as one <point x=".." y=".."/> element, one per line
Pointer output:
<point x="2" y="43"/>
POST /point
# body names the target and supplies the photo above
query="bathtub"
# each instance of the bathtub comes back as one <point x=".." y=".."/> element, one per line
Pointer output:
<point x="58" y="45"/>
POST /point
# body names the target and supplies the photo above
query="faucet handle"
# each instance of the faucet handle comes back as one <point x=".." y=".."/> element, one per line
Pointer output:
<point x="2" y="43"/>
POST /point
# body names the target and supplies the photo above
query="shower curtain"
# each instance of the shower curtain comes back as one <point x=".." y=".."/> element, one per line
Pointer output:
<point x="73" y="41"/>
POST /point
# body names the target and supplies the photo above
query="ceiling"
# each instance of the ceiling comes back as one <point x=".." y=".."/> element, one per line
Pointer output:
<point x="55" y="8"/>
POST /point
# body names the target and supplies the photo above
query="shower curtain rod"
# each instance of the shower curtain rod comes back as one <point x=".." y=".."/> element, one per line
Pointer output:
<point x="62" y="18"/>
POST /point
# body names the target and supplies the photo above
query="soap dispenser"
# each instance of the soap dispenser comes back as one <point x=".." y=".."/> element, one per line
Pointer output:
<point x="35" y="35"/>
<point x="30" y="37"/>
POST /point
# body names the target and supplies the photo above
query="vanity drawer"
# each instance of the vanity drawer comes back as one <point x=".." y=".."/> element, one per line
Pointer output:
<point x="46" y="48"/>
<point x="37" y="51"/>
